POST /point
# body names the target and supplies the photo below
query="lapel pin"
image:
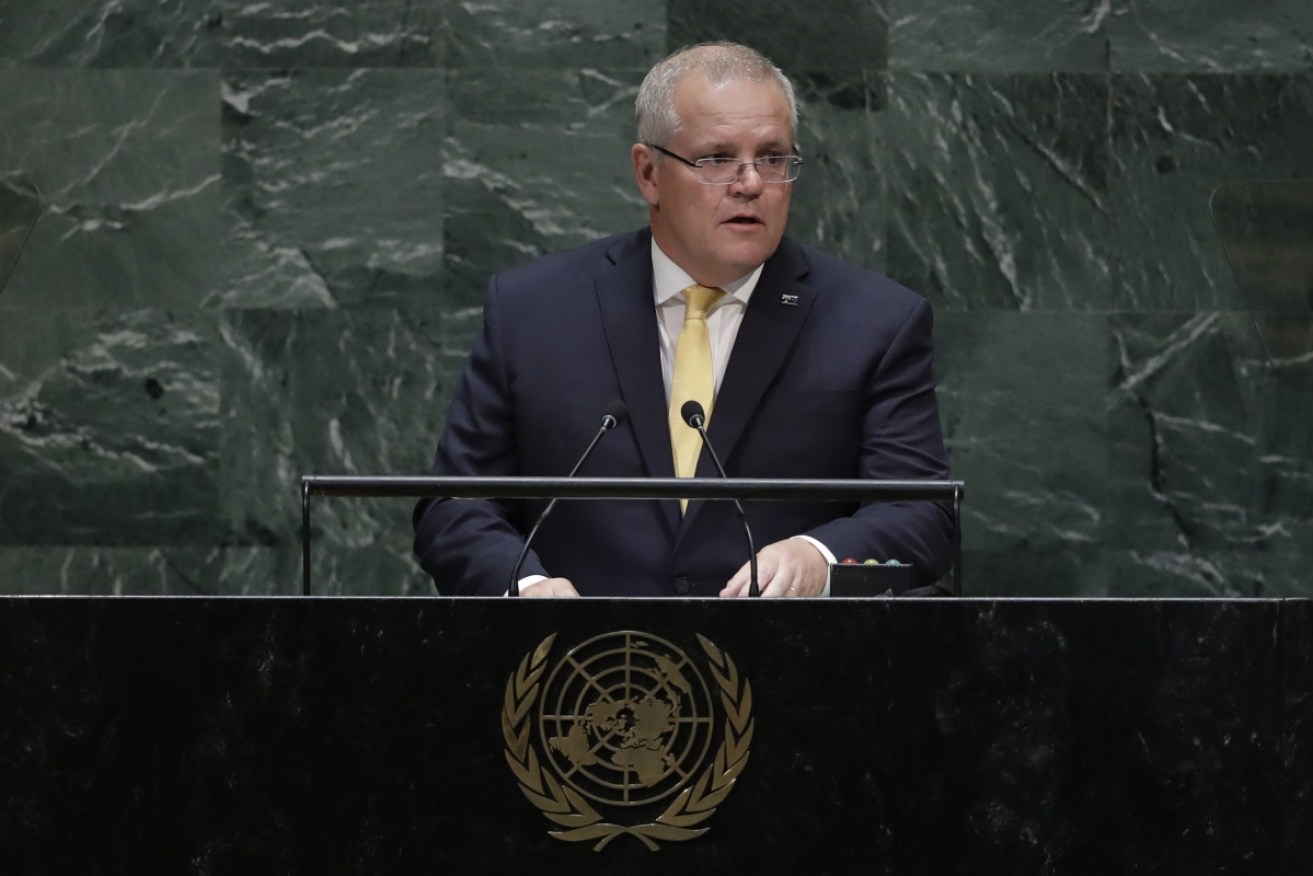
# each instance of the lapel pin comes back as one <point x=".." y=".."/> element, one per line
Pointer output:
<point x="789" y="300"/>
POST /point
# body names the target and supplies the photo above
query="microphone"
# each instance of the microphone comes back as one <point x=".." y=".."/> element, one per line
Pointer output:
<point x="613" y="416"/>
<point x="696" y="418"/>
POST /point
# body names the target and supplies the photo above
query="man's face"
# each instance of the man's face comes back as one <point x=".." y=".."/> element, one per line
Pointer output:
<point x="718" y="233"/>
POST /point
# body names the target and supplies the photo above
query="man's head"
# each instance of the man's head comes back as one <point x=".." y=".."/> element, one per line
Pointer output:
<point x="724" y="101"/>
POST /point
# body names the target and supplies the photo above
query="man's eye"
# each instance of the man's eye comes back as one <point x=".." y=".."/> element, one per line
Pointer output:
<point x="716" y="161"/>
<point x="772" y="160"/>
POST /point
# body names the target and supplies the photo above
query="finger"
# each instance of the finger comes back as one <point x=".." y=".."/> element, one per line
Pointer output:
<point x="777" y="581"/>
<point x="551" y="588"/>
<point x="737" y="584"/>
<point x="772" y="571"/>
<point x="741" y="583"/>
<point x="787" y="586"/>
<point x="565" y="588"/>
<point x="780" y="586"/>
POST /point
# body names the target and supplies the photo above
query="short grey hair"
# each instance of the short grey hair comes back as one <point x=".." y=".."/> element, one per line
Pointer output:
<point x="654" y="109"/>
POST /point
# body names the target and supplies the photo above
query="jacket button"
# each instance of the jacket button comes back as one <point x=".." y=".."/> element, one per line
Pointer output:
<point x="683" y="585"/>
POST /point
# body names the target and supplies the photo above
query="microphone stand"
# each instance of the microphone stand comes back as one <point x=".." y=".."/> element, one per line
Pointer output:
<point x="615" y="413"/>
<point x="696" y="418"/>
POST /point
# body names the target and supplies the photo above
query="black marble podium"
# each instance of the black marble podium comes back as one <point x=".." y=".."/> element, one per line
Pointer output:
<point x="325" y="735"/>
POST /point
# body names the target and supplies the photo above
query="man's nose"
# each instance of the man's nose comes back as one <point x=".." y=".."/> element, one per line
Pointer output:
<point x="749" y="180"/>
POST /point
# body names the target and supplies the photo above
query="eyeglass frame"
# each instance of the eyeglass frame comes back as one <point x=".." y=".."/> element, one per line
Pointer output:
<point x="794" y="160"/>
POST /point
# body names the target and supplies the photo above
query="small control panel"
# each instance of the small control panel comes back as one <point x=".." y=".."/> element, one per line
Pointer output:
<point x="870" y="577"/>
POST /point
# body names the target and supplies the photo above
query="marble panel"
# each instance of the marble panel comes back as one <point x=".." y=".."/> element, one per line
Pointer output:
<point x="839" y="35"/>
<point x="127" y="164"/>
<point x="1174" y="140"/>
<point x="332" y="182"/>
<point x="840" y="202"/>
<point x="534" y="163"/>
<point x="1022" y="403"/>
<point x="388" y="568"/>
<point x="461" y="328"/>
<point x="260" y="571"/>
<point x="1211" y="35"/>
<point x="1208" y="439"/>
<point x="360" y="391"/>
<point x="114" y="571"/>
<point x="312" y="33"/>
<point x="1001" y="190"/>
<point x="1264" y="226"/>
<point x="1050" y="572"/>
<point x="338" y="570"/>
<point x="109" y="427"/>
<point x="109" y="33"/>
<point x="20" y="207"/>
<point x="999" y="36"/>
<point x="1170" y="572"/>
<point x="560" y="34"/>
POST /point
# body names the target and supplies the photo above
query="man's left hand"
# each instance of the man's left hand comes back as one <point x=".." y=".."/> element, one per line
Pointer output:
<point x="793" y="567"/>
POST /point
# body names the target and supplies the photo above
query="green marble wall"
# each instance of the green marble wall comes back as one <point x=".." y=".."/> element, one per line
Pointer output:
<point x="267" y="228"/>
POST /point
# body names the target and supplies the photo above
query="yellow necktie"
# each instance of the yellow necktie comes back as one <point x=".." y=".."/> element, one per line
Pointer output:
<point x="694" y="378"/>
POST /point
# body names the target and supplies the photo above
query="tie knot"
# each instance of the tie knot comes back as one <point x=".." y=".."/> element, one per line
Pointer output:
<point x="698" y="300"/>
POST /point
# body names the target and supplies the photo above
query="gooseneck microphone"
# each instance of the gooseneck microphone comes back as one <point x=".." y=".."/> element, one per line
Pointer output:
<point x="613" y="416"/>
<point x="696" y="418"/>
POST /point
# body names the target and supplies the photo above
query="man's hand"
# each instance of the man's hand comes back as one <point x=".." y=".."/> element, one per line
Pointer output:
<point x="549" y="587"/>
<point x="793" y="567"/>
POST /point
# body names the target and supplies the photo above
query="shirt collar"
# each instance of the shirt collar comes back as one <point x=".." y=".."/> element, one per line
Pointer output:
<point x="669" y="279"/>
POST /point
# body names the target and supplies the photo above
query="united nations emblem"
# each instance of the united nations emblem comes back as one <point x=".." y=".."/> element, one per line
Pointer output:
<point x="619" y="737"/>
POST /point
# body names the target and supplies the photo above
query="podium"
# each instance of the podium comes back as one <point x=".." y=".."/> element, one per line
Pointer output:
<point x="886" y="736"/>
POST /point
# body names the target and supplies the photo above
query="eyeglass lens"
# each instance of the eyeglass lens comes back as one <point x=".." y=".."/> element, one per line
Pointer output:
<point x="775" y="169"/>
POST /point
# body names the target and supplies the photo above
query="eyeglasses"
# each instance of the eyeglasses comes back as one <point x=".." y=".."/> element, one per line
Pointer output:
<point x="723" y="171"/>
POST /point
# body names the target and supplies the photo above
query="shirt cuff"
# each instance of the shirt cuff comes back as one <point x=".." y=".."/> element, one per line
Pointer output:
<point x="529" y="580"/>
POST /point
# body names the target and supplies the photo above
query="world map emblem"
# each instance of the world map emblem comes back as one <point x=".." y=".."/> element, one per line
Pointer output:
<point x="627" y="734"/>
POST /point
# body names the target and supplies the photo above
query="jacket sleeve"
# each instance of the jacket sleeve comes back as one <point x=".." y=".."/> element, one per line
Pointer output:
<point x="469" y="546"/>
<point x="901" y="440"/>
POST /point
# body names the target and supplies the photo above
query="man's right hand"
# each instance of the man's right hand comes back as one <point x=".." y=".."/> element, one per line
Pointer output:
<point x="549" y="588"/>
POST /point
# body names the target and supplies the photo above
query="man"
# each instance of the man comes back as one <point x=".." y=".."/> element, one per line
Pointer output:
<point x="815" y="369"/>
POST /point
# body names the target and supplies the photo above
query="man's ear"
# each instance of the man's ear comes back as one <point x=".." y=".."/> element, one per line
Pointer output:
<point x="645" y="172"/>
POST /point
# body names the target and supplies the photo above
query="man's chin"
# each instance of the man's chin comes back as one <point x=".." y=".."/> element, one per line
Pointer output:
<point x="746" y="255"/>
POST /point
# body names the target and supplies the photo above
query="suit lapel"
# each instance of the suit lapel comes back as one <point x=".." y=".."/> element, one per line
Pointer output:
<point x="625" y="297"/>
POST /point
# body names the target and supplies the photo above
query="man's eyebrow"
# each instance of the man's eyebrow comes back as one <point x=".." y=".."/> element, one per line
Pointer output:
<point x="730" y="149"/>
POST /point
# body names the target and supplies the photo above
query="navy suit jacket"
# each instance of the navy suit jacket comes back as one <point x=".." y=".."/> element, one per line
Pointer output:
<point x="830" y="377"/>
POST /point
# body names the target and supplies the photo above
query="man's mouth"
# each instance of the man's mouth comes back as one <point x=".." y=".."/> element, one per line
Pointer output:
<point x="743" y="220"/>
